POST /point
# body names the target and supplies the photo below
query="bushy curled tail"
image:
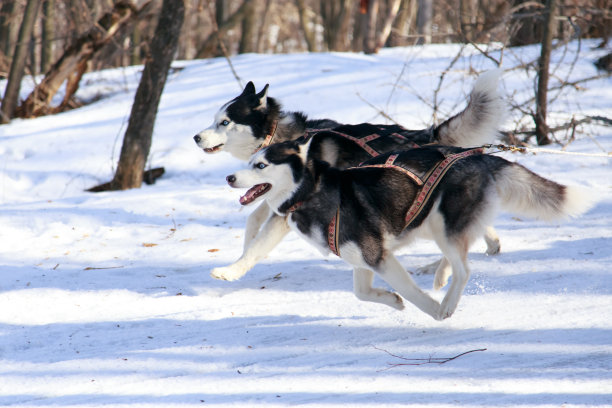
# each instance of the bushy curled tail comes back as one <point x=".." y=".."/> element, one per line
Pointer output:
<point x="524" y="192"/>
<point x="479" y="122"/>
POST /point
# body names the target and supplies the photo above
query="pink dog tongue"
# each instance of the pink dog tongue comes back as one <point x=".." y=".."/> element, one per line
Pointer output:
<point x="253" y="193"/>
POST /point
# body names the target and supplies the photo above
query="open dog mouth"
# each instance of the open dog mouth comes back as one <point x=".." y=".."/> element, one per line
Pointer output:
<point x="214" y="149"/>
<point x="254" y="192"/>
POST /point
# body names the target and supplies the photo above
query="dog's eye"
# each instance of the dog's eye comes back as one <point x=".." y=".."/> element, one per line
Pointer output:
<point x="261" y="166"/>
<point x="225" y="123"/>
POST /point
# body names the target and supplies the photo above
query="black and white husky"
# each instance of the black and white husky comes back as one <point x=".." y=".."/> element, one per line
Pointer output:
<point x="364" y="213"/>
<point x="254" y="120"/>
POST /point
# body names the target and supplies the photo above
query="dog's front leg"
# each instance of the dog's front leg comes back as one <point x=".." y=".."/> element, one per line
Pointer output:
<point x="254" y="222"/>
<point x="272" y="232"/>
<point x="395" y="275"/>
<point x="362" y="286"/>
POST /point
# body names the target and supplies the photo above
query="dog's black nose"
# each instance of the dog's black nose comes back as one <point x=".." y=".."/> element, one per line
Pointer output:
<point x="197" y="138"/>
<point x="231" y="179"/>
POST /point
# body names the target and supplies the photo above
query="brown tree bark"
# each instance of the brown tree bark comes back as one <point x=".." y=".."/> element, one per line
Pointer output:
<point x="392" y="10"/>
<point x="6" y="15"/>
<point x="208" y="47"/>
<point x="336" y="15"/>
<point x="369" y="36"/>
<point x="138" y="136"/>
<point x="541" y="128"/>
<point x="247" y="34"/>
<point x="73" y="63"/>
<point x="47" y="34"/>
<point x="402" y="23"/>
<point x="305" y="24"/>
<point x="465" y="20"/>
<point x="260" y="47"/>
<point x="11" y="93"/>
<point x="424" y="21"/>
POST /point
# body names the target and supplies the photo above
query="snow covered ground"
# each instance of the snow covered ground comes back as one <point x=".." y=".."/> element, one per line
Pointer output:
<point x="106" y="299"/>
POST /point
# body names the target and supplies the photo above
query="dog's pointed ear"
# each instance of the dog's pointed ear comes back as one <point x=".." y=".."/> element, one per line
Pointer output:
<point x="249" y="89"/>
<point x="303" y="146"/>
<point x="262" y="96"/>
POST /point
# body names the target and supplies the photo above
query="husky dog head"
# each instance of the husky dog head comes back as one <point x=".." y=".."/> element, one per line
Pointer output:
<point x="241" y="125"/>
<point x="274" y="173"/>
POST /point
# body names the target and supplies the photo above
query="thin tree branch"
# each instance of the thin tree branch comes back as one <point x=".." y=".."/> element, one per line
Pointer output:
<point x="377" y="109"/>
<point x="221" y="44"/>
<point x="441" y="80"/>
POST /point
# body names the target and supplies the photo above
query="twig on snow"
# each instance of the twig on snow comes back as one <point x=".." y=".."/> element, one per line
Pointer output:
<point x="423" y="361"/>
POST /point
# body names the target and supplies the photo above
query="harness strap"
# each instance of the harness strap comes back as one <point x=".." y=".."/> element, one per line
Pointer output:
<point x="433" y="180"/>
<point x="333" y="232"/>
<point x="408" y="144"/>
<point x="361" y="142"/>
<point x="389" y="165"/>
<point x="268" y="140"/>
<point x="295" y="206"/>
<point x="427" y="187"/>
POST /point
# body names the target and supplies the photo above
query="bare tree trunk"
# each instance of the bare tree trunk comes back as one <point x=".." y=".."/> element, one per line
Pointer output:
<point x="48" y="30"/>
<point x="541" y="128"/>
<point x="529" y="25"/>
<point x="336" y="15"/>
<point x="80" y="17"/>
<point x="369" y="36"/>
<point x="403" y="21"/>
<point x="465" y="19"/>
<point x="33" y="66"/>
<point x="424" y="21"/>
<point x="11" y="94"/>
<point x="361" y="15"/>
<point x="6" y="14"/>
<point x="260" y="32"/>
<point x="138" y="136"/>
<point x="247" y="35"/>
<point x="392" y="10"/>
<point x="209" y="46"/>
<point x="73" y="63"/>
<point x="305" y="24"/>
<point x="221" y="12"/>
<point x="135" y="40"/>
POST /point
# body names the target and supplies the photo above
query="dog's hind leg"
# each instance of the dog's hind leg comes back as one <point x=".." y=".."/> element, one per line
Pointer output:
<point x="392" y="272"/>
<point x="443" y="272"/>
<point x="429" y="269"/>
<point x="455" y="252"/>
<point x="362" y="286"/>
<point x="254" y="223"/>
<point x="272" y="232"/>
<point x="492" y="240"/>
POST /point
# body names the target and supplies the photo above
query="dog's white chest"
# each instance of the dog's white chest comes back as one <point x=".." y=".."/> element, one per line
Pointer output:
<point x="314" y="237"/>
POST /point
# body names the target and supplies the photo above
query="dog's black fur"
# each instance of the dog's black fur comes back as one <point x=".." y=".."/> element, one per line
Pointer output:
<point x="372" y="203"/>
<point x="242" y="125"/>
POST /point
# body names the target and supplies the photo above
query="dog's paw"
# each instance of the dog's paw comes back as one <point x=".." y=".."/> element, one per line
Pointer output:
<point x="226" y="273"/>
<point x="445" y="311"/>
<point x="493" y="247"/>
<point x="440" y="280"/>
<point x="492" y="240"/>
<point x="399" y="302"/>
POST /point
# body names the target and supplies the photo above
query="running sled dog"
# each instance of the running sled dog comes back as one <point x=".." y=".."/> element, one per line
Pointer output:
<point x="364" y="213"/>
<point x="253" y="120"/>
